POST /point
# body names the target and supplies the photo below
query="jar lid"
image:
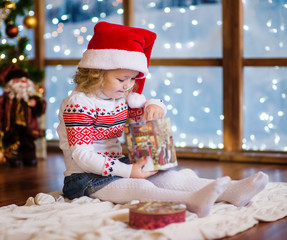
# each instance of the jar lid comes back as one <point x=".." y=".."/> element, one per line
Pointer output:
<point x="158" y="208"/>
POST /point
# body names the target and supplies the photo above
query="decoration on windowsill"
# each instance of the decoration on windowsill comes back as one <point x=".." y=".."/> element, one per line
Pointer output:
<point x="22" y="115"/>
<point x="20" y="107"/>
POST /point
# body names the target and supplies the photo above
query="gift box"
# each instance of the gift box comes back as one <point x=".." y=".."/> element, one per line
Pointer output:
<point x="153" y="215"/>
<point x="152" y="140"/>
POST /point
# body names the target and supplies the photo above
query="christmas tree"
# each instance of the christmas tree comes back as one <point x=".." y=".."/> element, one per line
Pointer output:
<point x="14" y="52"/>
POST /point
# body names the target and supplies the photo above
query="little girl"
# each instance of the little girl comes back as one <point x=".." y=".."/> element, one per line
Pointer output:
<point x="109" y="83"/>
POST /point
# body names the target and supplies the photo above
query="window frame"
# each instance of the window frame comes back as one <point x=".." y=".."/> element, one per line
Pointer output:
<point x="232" y="63"/>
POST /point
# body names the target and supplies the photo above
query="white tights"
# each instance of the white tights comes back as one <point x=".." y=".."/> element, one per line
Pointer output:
<point x="238" y="193"/>
<point x="198" y="194"/>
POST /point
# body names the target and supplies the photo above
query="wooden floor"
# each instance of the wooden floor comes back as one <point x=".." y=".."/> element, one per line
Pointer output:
<point x="17" y="184"/>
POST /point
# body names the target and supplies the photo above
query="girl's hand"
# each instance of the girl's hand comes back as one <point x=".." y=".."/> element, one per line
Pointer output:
<point x="152" y="112"/>
<point x="137" y="171"/>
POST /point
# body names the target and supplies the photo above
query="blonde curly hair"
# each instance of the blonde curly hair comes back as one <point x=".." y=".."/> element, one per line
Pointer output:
<point x="90" y="81"/>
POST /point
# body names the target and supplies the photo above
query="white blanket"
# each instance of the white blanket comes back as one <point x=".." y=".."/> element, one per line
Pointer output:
<point x="50" y="216"/>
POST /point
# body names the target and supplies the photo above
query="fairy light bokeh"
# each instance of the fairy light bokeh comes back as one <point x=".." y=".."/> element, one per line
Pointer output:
<point x="193" y="95"/>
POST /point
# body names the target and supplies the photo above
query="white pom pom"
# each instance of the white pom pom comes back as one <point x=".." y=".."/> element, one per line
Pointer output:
<point x="136" y="100"/>
<point x="43" y="198"/>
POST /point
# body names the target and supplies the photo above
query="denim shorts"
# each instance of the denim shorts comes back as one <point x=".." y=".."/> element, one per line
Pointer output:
<point x="84" y="184"/>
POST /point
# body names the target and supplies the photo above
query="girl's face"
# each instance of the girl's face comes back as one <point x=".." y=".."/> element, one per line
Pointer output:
<point x="118" y="81"/>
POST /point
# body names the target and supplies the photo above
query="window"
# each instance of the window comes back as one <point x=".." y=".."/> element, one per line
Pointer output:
<point x="265" y="87"/>
<point x="69" y="25"/>
<point x="217" y="96"/>
<point x="183" y="28"/>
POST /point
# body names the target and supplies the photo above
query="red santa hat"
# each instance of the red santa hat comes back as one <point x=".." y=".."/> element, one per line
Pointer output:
<point x="17" y="73"/>
<point x="116" y="46"/>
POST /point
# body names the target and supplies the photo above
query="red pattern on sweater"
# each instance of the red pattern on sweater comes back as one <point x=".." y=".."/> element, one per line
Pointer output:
<point x="86" y="126"/>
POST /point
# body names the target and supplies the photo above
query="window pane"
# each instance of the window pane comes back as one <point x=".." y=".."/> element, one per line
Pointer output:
<point x="185" y="29"/>
<point x="265" y="108"/>
<point x="193" y="96"/>
<point x="265" y="26"/>
<point x="70" y="24"/>
<point x="59" y="83"/>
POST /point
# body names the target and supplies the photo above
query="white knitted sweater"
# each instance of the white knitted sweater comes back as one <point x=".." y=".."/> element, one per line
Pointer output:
<point x="89" y="129"/>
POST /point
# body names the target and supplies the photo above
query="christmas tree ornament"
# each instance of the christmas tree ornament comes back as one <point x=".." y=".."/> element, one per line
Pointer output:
<point x="11" y="30"/>
<point x="30" y="22"/>
<point x="9" y="5"/>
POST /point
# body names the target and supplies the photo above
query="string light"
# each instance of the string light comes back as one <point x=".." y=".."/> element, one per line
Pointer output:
<point x="21" y="57"/>
<point x="120" y="11"/>
<point x="246" y="28"/>
<point x="85" y="7"/>
<point x="95" y="19"/>
<point x="28" y="47"/>
<point x="64" y="17"/>
<point x="67" y="52"/>
<point x="167" y="10"/>
<point x="167" y="82"/>
<point x="55" y="21"/>
<point x="153" y="93"/>
<point x="52" y="99"/>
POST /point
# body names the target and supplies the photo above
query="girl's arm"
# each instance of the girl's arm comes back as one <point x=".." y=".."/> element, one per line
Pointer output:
<point x="141" y="109"/>
<point x="79" y="117"/>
